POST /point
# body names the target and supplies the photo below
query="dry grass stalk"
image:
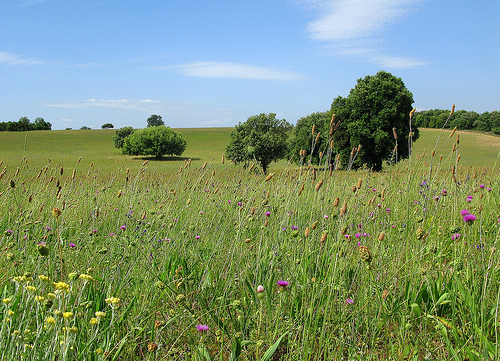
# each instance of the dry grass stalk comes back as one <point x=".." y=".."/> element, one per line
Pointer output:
<point x="453" y="132"/>
<point x="452" y="110"/>
<point x="223" y="158"/>
<point x="323" y="237"/>
<point x="313" y="128"/>
<point x="307" y="232"/>
<point x="395" y="133"/>
<point x="317" y="136"/>
<point x="318" y="185"/>
<point x="269" y="177"/>
<point x="360" y="183"/>
<point x="314" y="225"/>
<point x="301" y="189"/>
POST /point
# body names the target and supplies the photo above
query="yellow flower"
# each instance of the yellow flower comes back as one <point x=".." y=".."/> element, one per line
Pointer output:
<point x="43" y="278"/>
<point x="10" y="313"/>
<point x="86" y="277"/>
<point x="67" y="314"/>
<point x="39" y="298"/>
<point x="51" y="296"/>
<point x="31" y="289"/>
<point x="112" y="301"/>
<point x="100" y="314"/>
<point x="62" y="286"/>
<point x="7" y="300"/>
<point x="50" y="320"/>
<point x="94" y="321"/>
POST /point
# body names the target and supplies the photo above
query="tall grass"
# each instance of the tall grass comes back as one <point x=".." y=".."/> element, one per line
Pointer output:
<point x="153" y="266"/>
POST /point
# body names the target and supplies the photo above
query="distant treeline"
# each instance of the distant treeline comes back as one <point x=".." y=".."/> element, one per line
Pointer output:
<point x="24" y="124"/>
<point x="462" y="119"/>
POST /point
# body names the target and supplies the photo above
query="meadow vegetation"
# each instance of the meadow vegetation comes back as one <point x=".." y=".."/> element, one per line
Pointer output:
<point x="108" y="257"/>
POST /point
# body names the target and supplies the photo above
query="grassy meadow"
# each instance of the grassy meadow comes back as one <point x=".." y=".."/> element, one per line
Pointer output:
<point x="110" y="257"/>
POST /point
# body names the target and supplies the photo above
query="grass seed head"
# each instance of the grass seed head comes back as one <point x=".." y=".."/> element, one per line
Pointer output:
<point x="318" y="185"/>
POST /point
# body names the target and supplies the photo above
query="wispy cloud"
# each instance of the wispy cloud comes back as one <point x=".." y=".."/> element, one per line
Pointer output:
<point x="139" y="105"/>
<point x="12" y="59"/>
<point x="355" y="28"/>
<point x="211" y="69"/>
<point x="29" y="3"/>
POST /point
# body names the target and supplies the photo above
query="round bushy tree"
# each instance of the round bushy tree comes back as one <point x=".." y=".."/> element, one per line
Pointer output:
<point x="120" y="135"/>
<point x="374" y="107"/>
<point x="155" y="141"/>
<point x="262" y="139"/>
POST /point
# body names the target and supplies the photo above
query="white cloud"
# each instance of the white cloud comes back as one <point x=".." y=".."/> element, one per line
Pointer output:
<point x="234" y="71"/>
<point x="354" y="28"/>
<point x="12" y="59"/>
<point x="145" y="105"/>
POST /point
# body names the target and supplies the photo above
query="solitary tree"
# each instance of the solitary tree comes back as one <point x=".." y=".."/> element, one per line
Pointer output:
<point x="262" y="139"/>
<point x="107" y="126"/>
<point x="155" y="141"/>
<point x="155" y="121"/>
<point x="372" y="116"/>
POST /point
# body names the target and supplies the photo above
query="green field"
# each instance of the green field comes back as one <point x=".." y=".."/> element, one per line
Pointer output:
<point x="173" y="260"/>
<point x="66" y="147"/>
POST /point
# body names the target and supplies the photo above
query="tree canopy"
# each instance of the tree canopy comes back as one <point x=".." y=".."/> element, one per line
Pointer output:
<point x="120" y="135"/>
<point x="374" y="122"/>
<point x="155" y="141"/>
<point x="261" y="139"/>
<point x="107" y="126"/>
<point x="155" y="121"/>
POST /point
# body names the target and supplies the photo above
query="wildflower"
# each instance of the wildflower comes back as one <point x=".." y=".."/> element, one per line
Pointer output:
<point x="43" y="278"/>
<point x="295" y="227"/>
<point x="152" y="347"/>
<point x="464" y="212"/>
<point x="469" y="218"/>
<point x="50" y="320"/>
<point x="112" y="301"/>
<point x="31" y="289"/>
<point x="72" y="245"/>
<point x="469" y="199"/>
<point x="7" y="300"/>
<point x="123" y="227"/>
<point x="349" y="301"/>
<point x="456" y="236"/>
<point x="282" y="285"/>
<point x="111" y="234"/>
<point x="67" y="315"/>
<point x="202" y="328"/>
<point x="197" y="237"/>
<point x="260" y="289"/>
<point x="100" y="314"/>
<point x="62" y="286"/>
<point x="268" y="214"/>
<point x="94" y="321"/>
<point x="8" y="232"/>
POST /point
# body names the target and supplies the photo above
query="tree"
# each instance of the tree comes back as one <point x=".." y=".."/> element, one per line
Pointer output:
<point x="156" y="141"/>
<point x="374" y="107"/>
<point x="41" y="124"/>
<point x="262" y="139"/>
<point x="304" y="139"/>
<point x="155" y="121"/>
<point x="107" y="126"/>
<point x="120" y="135"/>
<point x="84" y="127"/>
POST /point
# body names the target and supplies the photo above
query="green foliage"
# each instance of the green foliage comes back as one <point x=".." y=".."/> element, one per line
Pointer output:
<point x="303" y="138"/>
<point x="24" y="124"/>
<point x="84" y="127"/>
<point x="120" y="135"/>
<point x="262" y="139"/>
<point x="155" y="121"/>
<point x="107" y="126"/>
<point x="375" y="106"/>
<point x="157" y="141"/>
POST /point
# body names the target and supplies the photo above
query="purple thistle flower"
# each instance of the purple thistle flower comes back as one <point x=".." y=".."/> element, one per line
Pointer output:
<point x="123" y="227"/>
<point x="282" y="284"/>
<point x="202" y="328"/>
<point x="72" y="245"/>
<point x="464" y="212"/>
<point x="197" y="237"/>
<point x="349" y="301"/>
<point x="469" y="218"/>
<point x="268" y="214"/>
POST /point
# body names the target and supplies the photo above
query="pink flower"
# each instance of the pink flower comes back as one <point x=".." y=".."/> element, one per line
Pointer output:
<point x="469" y="218"/>
<point x="202" y="328"/>
<point x="282" y="284"/>
<point x="349" y="301"/>
<point x="464" y="212"/>
<point x="260" y="289"/>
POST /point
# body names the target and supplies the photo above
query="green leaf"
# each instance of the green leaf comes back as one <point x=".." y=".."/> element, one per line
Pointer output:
<point x="271" y="350"/>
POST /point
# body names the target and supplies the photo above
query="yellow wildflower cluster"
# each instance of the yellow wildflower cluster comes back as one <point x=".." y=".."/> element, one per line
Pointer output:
<point x="86" y="277"/>
<point x="61" y="286"/>
<point x="112" y="301"/>
<point x="43" y="278"/>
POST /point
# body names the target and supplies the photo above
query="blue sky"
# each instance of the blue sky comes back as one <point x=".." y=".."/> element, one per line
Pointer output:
<point x="216" y="63"/>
